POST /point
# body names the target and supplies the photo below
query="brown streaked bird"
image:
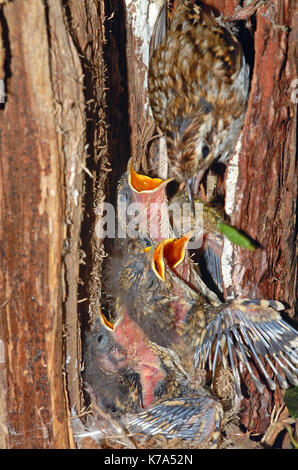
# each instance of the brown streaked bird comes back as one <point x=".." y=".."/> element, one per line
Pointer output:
<point x="198" y="85"/>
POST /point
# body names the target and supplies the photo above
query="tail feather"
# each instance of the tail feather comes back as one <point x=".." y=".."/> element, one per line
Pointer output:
<point x="291" y="377"/>
<point x="243" y="358"/>
<point x="282" y="382"/>
<point x="212" y="257"/>
<point x="231" y="358"/>
<point x="217" y="349"/>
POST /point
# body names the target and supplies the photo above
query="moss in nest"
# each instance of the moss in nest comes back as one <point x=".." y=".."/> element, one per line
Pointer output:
<point x="291" y="400"/>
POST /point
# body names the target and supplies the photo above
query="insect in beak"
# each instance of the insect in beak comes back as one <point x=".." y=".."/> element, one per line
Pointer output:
<point x="189" y="182"/>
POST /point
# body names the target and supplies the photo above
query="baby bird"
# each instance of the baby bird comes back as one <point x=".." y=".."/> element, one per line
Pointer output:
<point x="138" y="384"/>
<point x="107" y="372"/>
<point x="159" y="219"/>
<point x="143" y="198"/>
<point x="159" y="349"/>
<point x="198" y="86"/>
<point x="152" y="284"/>
<point x="146" y="368"/>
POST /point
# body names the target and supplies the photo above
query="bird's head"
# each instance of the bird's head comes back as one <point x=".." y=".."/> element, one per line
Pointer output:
<point x="190" y="149"/>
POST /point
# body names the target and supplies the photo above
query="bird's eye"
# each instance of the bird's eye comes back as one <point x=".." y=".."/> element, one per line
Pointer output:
<point x="123" y="196"/>
<point x="103" y="341"/>
<point x="205" y="151"/>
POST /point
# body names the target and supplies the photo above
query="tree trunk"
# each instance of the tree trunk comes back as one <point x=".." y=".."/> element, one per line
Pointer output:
<point x="52" y="120"/>
<point x="266" y="187"/>
<point x="264" y="181"/>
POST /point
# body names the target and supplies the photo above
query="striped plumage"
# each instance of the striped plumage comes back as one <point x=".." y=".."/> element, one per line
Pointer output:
<point x="198" y="86"/>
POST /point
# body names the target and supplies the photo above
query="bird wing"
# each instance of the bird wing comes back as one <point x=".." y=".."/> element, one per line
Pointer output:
<point x="194" y="417"/>
<point x="159" y="30"/>
<point x="251" y="330"/>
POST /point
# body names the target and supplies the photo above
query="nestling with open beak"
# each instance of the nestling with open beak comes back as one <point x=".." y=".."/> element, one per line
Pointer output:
<point x="140" y="193"/>
<point x="146" y="367"/>
<point x="160" y="361"/>
<point x="159" y="223"/>
<point x="159" y="298"/>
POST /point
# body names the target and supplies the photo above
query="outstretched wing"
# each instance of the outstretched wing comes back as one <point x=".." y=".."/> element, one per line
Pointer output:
<point x="193" y="417"/>
<point x="246" y="330"/>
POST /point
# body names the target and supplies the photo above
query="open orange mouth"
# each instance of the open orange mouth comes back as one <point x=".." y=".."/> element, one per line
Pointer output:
<point x="106" y="322"/>
<point x="173" y="251"/>
<point x="143" y="183"/>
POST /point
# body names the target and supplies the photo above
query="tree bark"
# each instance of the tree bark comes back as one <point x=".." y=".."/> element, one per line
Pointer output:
<point x="265" y="187"/>
<point x="52" y="120"/>
<point x="31" y="237"/>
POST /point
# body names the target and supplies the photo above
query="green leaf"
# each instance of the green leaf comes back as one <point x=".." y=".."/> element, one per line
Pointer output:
<point x="291" y="400"/>
<point x="236" y="237"/>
